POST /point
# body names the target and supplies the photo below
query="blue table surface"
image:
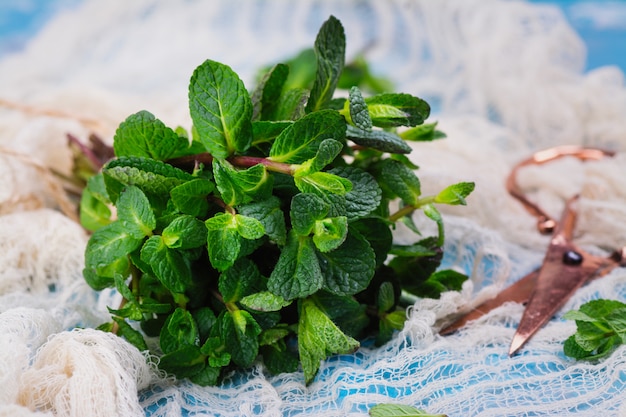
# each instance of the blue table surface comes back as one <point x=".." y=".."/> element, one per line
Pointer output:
<point x="600" y="23"/>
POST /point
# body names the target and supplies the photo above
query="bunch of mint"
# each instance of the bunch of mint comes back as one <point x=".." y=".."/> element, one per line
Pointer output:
<point x="266" y="232"/>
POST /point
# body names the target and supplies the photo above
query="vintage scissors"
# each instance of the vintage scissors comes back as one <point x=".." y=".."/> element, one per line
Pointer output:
<point x="565" y="267"/>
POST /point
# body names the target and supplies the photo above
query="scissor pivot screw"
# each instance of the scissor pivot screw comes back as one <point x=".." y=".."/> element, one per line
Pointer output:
<point x="571" y="257"/>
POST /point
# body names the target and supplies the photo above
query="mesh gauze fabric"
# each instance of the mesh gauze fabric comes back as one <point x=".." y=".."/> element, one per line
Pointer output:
<point x="506" y="79"/>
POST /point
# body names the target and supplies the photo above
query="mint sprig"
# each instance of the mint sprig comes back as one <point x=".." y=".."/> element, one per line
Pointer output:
<point x="265" y="233"/>
<point x="600" y="328"/>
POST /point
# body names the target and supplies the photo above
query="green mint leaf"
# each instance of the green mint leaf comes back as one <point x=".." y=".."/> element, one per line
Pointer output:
<point x="305" y="210"/>
<point x="214" y="348"/>
<point x="96" y="281"/>
<point x="330" y="51"/>
<point x="274" y="335"/>
<point x="131" y="310"/>
<point x="617" y="321"/>
<point x="574" y="350"/>
<point x="292" y="104"/>
<point x="442" y="281"/>
<point x="595" y="339"/>
<point x="267" y="131"/>
<point x="357" y="72"/>
<point x="348" y="269"/>
<point x="390" y="110"/>
<point x="432" y="213"/>
<point x="404" y="160"/>
<point x="208" y="376"/>
<point x="300" y="141"/>
<point x="278" y="359"/>
<point x="185" y="362"/>
<point x="409" y="222"/>
<point x="205" y="319"/>
<point x="150" y="306"/>
<point x="135" y="309"/>
<point x="241" y="186"/>
<point x="339" y="104"/>
<point x="302" y="69"/>
<point x="240" y="332"/>
<point x="455" y="194"/>
<point x="600" y="309"/>
<point x="101" y="277"/>
<point x="97" y="188"/>
<point x="578" y="316"/>
<point x="336" y="202"/>
<point x="141" y="134"/>
<point x="365" y="195"/>
<point x="134" y="212"/>
<point x="319" y="337"/>
<point x="239" y="280"/>
<point x="266" y="95"/>
<point x="240" y="320"/>
<point x="108" y="244"/>
<point x="359" y="115"/>
<point x="390" y="323"/>
<point x="225" y="237"/>
<point x="133" y="336"/>
<point x="179" y="330"/>
<point x="414" y="269"/>
<point x="422" y="133"/>
<point x="322" y="183"/>
<point x="401" y="181"/>
<point x="223" y="241"/>
<point x="220" y="109"/>
<point x="264" y="301"/>
<point x="330" y="232"/>
<point x="386" y="298"/>
<point x="297" y="272"/>
<point x="191" y="197"/>
<point x="94" y="214"/>
<point x="151" y="176"/>
<point x="415" y="250"/>
<point x="168" y="265"/>
<point x="378" y="139"/>
<point x="378" y="234"/>
<point x="269" y="213"/>
<point x="248" y="227"/>
<point x="345" y="311"/>
<point x="184" y="232"/>
<point x="399" y="410"/>
<point x="326" y="153"/>
<point x="122" y="287"/>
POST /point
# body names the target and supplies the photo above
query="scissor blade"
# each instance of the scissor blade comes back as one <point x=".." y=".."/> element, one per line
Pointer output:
<point x="558" y="280"/>
<point x="519" y="292"/>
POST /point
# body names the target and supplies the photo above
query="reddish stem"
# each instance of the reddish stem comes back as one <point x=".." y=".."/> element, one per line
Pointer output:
<point x="240" y="161"/>
<point x="249" y="161"/>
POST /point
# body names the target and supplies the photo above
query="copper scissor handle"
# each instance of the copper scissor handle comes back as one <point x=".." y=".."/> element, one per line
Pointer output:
<point x="565" y="267"/>
<point x="545" y="223"/>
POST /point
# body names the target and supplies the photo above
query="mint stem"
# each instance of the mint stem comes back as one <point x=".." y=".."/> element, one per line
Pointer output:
<point x="218" y="201"/>
<point x="191" y="161"/>
<point x="240" y="161"/>
<point x="116" y="327"/>
<point x="249" y="161"/>
<point x="408" y="209"/>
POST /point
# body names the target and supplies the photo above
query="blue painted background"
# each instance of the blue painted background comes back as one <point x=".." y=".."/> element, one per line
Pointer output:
<point x="600" y="23"/>
<point x="602" y="26"/>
